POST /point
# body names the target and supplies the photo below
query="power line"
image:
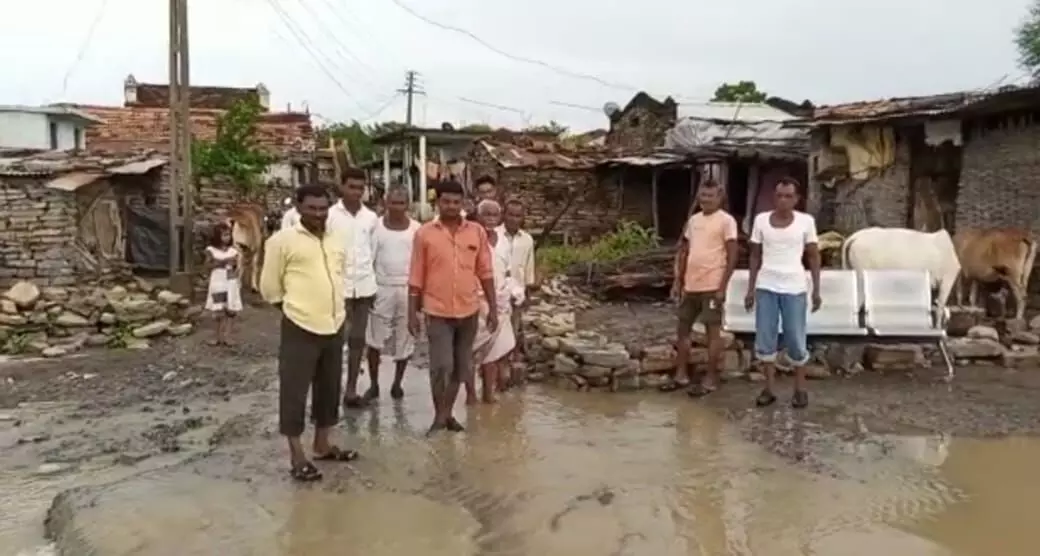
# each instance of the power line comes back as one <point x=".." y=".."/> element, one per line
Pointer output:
<point x="500" y="52"/>
<point x="301" y="37"/>
<point x="84" y="46"/>
<point x="381" y="109"/>
<point x="344" y="51"/>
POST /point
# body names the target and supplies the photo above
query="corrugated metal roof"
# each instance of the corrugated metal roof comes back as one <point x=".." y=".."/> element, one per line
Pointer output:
<point x="700" y="137"/>
<point x="28" y="163"/>
<point x="733" y="111"/>
<point x="926" y="106"/>
<point x="661" y="159"/>
<point x="137" y="168"/>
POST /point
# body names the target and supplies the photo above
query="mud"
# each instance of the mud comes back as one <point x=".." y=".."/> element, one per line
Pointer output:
<point x="131" y="462"/>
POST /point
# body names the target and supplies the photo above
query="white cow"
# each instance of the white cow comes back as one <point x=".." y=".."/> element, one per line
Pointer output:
<point x="902" y="249"/>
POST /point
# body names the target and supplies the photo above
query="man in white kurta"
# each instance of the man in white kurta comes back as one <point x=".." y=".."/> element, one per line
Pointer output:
<point x="387" y="331"/>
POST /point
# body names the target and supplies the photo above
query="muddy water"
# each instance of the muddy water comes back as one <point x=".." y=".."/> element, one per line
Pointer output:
<point x="547" y="472"/>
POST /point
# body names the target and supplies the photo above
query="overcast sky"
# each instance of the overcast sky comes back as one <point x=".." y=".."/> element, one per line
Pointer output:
<point x="823" y="50"/>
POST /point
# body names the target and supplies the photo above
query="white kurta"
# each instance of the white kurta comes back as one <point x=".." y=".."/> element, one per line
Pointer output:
<point x="223" y="283"/>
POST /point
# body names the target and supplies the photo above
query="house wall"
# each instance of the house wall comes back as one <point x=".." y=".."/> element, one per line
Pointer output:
<point x="642" y="127"/>
<point x="1000" y="178"/>
<point x="37" y="233"/>
<point x="852" y="204"/>
<point x="27" y="130"/>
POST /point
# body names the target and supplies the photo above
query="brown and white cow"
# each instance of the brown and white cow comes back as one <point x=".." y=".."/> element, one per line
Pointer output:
<point x="993" y="256"/>
<point x="248" y="224"/>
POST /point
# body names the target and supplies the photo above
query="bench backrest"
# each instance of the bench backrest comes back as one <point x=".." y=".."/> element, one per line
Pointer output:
<point x="897" y="299"/>
<point x="841" y="304"/>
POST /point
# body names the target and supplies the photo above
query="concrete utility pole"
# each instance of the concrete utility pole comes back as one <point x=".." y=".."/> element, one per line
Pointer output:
<point x="180" y="185"/>
<point x="411" y="88"/>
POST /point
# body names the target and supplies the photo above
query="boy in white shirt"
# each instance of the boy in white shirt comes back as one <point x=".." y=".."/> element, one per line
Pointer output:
<point x="777" y="288"/>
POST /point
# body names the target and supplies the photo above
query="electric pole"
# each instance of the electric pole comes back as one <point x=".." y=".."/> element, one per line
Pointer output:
<point x="180" y="185"/>
<point x="411" y="88"/>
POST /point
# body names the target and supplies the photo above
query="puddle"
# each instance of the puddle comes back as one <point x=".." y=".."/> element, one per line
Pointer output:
<point x="551" y="472"/>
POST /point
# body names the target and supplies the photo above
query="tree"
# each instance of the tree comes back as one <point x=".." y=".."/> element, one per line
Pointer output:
<point x="477" y="128"/>
<point x="234" y="153"/>
<point x="358" y="136"/>
<point x="554" y="127"/>
<point x="743" y="91"/>
<point x="1027" y="40"/>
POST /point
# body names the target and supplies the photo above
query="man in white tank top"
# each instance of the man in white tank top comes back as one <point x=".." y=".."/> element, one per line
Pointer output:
<point x="387" y="332"/>
<point x="778" y="289"/>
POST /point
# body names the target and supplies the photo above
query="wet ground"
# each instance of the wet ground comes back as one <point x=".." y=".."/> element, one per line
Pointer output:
<point x="175" y="452"/>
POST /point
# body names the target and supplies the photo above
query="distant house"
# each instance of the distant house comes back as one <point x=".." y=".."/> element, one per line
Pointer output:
<point x="143" y="123"/>
<point x="642" y="123"/>
<point x="550" y="178"/>
<point x="56" y="128"/>
<point x="966" y="159"/>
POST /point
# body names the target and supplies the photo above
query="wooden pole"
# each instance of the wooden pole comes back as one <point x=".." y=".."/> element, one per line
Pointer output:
<point x="653" y="202"/>
<point x="174" y="122"/>
<point x="187" y="181"/>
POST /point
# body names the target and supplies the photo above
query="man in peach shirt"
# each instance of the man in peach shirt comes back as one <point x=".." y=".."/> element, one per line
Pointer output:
<point x="451" y="264"/>
<point x="706" y="259"/>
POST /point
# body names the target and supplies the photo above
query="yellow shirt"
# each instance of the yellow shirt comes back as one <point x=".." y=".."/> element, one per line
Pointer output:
<point x="305" y="274"/>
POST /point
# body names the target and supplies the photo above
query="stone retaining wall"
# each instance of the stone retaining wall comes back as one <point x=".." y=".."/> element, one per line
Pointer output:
<point x="560" y="353"/>
<point x="56" y="321"/>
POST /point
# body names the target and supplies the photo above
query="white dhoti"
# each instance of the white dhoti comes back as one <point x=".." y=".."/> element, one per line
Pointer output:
<point x="387" y="329"/>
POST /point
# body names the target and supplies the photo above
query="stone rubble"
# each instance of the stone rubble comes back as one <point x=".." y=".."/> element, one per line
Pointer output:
<point x="56" y="321"/>
<point x="561" y="353"/>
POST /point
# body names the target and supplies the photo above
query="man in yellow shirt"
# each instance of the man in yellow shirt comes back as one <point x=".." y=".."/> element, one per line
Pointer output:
<point x="302" y="276"/>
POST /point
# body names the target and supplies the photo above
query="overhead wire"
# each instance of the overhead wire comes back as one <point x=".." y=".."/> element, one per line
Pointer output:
<point x="304" y="41"/>
<point x="343" y="49"/>
<point x="83" y="47"/>
<point x="366" y="38"/>
<point x="522" y="59"/>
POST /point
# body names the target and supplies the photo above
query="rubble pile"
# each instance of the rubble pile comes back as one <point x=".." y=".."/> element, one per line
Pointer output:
<point x="56" y="321"/>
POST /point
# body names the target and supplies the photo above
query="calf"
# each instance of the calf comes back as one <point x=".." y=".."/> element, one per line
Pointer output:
<point x="247" y="232"/>
<point x="999" y="255"/>
<point x="902" y="249"/>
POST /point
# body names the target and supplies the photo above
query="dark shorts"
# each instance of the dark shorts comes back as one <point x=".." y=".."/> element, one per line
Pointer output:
<point x="702" y="306"/>
<point x="358" y="309"/>
<point x="451" y="349"/>
<point x="308" y="362"/>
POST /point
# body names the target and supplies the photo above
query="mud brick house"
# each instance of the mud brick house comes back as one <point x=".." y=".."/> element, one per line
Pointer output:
<point x="548" y="177"/>
<point x="967" y="159"/>
<point x="641" y="125"/>
<point x="143" y="123"/>
<point x="64" y="213"/>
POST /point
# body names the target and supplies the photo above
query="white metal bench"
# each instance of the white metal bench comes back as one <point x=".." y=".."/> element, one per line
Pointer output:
<point x="875" y="306"/>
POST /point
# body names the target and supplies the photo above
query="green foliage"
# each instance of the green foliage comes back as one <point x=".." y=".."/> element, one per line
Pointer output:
<point x="121" y="336"/>
<point x="234" y="154"/>
<point x="628" y="239"/>
<point x="358" y="136"/>
<point x="1027" y="40"/>
<point x="743" y="91"/>
<point x="16" y="344"/>
<point x="554" y="127"/>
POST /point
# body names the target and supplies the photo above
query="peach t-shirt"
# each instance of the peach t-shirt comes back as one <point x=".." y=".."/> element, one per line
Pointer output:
<point x="707" y="236"/>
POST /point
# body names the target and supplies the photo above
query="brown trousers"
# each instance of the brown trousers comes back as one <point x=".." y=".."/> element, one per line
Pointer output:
<point x="451" y="349"/>
<point x="308" y="361"/>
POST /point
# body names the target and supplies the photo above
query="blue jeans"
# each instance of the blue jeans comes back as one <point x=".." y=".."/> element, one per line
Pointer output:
<point x="770" y="309"/>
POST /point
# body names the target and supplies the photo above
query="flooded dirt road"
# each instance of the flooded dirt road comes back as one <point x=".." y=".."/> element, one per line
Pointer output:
<point x="190" y="470"/>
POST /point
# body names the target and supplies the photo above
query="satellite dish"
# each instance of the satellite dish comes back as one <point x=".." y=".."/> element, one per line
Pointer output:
<point x="611" y="108"/>
<point x="446" y="126"/>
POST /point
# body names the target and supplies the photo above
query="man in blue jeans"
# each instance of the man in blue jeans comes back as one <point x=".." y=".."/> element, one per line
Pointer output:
<point x="777" y="288"/>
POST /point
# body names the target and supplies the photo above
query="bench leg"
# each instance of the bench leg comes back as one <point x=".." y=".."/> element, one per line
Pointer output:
<point x="946" y="359"/>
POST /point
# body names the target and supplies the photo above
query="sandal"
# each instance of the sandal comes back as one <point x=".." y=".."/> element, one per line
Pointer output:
<point x="355" y="402"/>
<point x="454" y="426"/>
<point x="765" y="398"/>
<point x="305" y="473"/>
<point x="338" y="454"/>
<point x="371" y="394"/>
<point x="673" y="385"/>
<point x="700" y="390"/>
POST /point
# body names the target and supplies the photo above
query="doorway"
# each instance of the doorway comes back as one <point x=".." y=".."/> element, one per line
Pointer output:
<point x="673" y="202"/>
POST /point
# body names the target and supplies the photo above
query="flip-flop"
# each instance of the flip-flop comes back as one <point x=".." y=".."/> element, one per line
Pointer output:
<point x="338" y="454"/>
<point x="305" y="473"/>
<point x="673" y="385"/>
<point x="357" y="402"/>
<point x="454" y="426"/>
<point x="700" y="390"/>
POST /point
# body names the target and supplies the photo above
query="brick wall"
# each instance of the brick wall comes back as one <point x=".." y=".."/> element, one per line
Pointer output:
<point x="850" y="205"/>
<point x="1000" y="179"/>
<point x="37" y="233"/>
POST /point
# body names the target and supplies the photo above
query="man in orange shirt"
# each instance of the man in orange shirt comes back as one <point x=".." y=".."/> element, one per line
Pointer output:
<point x="706" y="259"/>
<point x="451" y="264"/>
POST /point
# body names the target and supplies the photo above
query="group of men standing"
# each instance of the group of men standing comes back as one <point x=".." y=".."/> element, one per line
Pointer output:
<point x="778" y="291"/>
<point x="343" y="275"/>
